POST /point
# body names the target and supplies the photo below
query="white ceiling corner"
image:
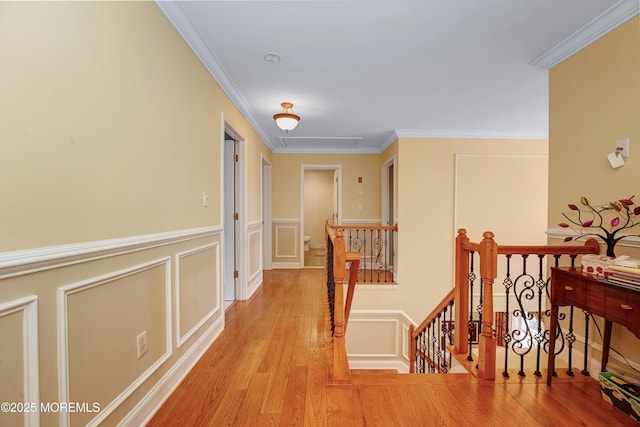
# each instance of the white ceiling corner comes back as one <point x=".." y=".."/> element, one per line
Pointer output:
<point x="460" y="69"/>
<point x="610" y="19"/>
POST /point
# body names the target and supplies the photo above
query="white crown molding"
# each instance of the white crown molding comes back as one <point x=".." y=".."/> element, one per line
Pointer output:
<point x="392" y="138"/>
<point x="176" y="15"/>
<point x="417" y="133"/>
<point x="610" y="19"/>
<point x="362" y="150"/>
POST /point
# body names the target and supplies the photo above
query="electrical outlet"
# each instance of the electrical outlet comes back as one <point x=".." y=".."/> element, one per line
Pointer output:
<point x="205" y="199"/>
<point x="622" y="147"/>
<point x="141" y="344"/>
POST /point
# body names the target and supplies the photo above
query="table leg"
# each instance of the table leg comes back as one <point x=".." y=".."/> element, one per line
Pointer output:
<point x="605" y="344"/>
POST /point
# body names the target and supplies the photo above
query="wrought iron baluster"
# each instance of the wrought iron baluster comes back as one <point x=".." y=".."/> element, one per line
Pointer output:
<point x="479" y="310"/>
<point x="539" y="337"/>
<point x="472" y="278"/>
<point x="571" y="338"/>
<point x="330" y="283"/>
<point x="450" y="331"/>
<point x="439" y="348"/>
<point x="561" y="316"/>
<point x="522" y="340"/>
<point x="506" y="336"/>
<point x="434" y="346"/>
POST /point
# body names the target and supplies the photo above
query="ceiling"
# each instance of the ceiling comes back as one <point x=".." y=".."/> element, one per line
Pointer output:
<point x="361" y="73"/>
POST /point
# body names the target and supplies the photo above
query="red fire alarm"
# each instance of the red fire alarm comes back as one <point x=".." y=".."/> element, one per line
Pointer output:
<point x="360" y="180"/>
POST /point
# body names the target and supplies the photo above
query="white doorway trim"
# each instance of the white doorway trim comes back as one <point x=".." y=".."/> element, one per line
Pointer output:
<point x="388" y="192"/>
<point x="338" y="191"/>
<point x="241" y="288"/>
<point x="267" y="258"/>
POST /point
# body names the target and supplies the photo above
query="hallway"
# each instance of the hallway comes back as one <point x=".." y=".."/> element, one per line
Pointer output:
<point x="270" y="367"/>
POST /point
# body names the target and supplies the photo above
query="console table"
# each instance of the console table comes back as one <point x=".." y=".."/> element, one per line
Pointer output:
<point x="613" y="302"/>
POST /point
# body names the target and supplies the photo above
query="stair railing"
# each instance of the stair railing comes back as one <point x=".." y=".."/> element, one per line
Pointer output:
<point x="519" y="284"/>
<point x="377" y="248"/>
<point x="431" y="341"/>
<point x="474" y="326"/>
<point x="339" y="307"/>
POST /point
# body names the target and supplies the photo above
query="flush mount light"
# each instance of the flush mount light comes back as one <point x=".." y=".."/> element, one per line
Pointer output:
<point x="286" y="120"/>
<point x="272" y="57"/>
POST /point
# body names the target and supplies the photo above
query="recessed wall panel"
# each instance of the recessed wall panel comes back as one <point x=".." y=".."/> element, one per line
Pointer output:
<point x="101" y="319"/>
<point x="11" y="365"/>
<point x="197" y="289"/>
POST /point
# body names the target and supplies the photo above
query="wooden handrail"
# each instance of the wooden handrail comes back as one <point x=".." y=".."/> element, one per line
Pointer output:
<point x="368" y="227"/>
<point x="354" y="259"/>
<point x="439" y="308"/>
<point x="375" y="243"/>
<point x="414" y="331"/>
<point x="591" y="246"/>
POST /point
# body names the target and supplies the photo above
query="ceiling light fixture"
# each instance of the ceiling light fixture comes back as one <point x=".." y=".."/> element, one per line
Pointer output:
<point x="286" y="120"/>
<point x="272" y="57"/>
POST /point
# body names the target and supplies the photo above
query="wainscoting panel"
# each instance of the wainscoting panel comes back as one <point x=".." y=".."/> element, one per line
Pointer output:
<point x="19" y="359"/>
<point x="99" y="321"/>
<point x="255" y="258"/>
<point x="378" y="339"/>
<point x="71" y="315"/>
<point x="198" y="289"/>
<point x="286" y="242"/>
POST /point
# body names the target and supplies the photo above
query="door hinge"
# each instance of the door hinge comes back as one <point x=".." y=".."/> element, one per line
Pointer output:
<point x="235" y="157"/>
<point x="235" y="274"/>
<point x="235" y="216"/>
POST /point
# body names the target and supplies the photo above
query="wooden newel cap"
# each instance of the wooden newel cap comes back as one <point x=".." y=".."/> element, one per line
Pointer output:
<point x="488" y="235"/>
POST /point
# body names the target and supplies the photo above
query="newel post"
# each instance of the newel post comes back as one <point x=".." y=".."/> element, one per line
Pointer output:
<point x="461" y="336"/>
<point x="341" y="373"/>
<point x="488" y="272"/>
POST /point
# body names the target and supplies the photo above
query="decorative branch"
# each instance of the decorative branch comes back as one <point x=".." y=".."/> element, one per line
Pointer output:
<point x="591" y="221"/>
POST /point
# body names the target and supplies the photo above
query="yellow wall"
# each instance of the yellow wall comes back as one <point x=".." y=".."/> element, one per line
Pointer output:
<point x="426" y="206"/>
<point x="594" y="101"/>
<point x="107" y="132"/>
<point x="111" y="131"/>
<point x="286" y="183"/>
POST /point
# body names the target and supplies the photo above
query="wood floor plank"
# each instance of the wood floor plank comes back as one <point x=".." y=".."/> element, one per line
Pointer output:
<point x="343" y="409"/>
<point x="295" y="397"/>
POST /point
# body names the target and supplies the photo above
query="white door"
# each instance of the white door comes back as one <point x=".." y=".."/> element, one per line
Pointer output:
<point x="230" y="229"/>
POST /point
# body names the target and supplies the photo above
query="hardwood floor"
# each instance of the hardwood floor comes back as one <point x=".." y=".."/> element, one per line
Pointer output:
<point x="270" y="367"/>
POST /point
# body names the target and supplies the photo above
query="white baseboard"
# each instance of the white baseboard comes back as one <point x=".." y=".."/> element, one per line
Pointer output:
<point x="254" y="283"/>
<point x="142" y="413"/>
<point x="401" y="367"/>
<point x="286" y="265"/>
